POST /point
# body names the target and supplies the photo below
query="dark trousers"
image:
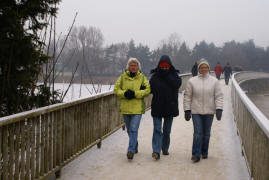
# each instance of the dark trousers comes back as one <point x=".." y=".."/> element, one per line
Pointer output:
<point x="227" y="79"/>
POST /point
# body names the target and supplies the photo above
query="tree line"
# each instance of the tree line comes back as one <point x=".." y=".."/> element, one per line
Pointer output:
<point x="86" y="47"/>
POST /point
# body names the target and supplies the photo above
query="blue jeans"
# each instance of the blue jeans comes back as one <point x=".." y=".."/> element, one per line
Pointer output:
<point x="202" y="127"/>
<point x="161" y="136"/>
<point x="132" y="122"/>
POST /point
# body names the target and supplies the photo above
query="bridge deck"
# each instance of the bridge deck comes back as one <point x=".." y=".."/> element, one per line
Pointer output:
<point x="225" y="160"/>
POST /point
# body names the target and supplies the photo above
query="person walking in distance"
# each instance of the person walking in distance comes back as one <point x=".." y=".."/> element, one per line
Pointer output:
<point x="218" y="70"/>
<point x="164" y="84"/>
<point x="227" y="70"/>
<point x="203" y="98"/>
<point x="131" y="87"/>
<point x="194" y="70"/>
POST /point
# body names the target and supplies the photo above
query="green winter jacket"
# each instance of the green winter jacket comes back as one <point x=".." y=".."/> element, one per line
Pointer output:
<point x="125" y="82"/>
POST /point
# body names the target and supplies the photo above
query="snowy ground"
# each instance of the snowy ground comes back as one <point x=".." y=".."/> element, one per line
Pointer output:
<point x="225" y="160"/>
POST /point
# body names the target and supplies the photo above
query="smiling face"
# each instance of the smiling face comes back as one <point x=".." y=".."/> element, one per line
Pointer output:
<point x="133" y="67"/>
<point x="203" y="69"/>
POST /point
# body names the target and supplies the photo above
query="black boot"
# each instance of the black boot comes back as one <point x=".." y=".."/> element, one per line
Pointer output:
<point x="195" y="159"/>
<point x="165" y="153"/>
<point x="156" y="155"/>
<point x="130" y="155"/>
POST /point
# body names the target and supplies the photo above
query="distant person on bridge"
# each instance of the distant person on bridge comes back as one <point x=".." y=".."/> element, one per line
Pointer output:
<point x="164" y="84"/>
<point x="218" y="70"/>
<point x="132" y="86"/>
<point x="202" y="98"/>
<point x="194" y="70"/>
<point x="227" y="70"/>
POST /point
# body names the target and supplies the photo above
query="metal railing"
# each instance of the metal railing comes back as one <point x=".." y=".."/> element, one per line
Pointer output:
<point x="252" y="125"/>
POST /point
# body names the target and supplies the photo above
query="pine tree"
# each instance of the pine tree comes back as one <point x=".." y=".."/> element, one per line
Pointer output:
<point x="21" y="57"/>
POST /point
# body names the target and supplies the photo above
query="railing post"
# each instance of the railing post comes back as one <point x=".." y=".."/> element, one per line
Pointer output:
<point x="100" y="120"/>
<point x="99" y="144"/>
<point x="1" y="156"/>
<point x="58" y="174"/>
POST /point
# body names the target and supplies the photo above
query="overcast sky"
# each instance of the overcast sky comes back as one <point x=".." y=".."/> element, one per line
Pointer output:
<point x="150" y="21"/>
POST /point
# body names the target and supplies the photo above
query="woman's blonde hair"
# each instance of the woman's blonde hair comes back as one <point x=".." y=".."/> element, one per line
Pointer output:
<point x="133" y="60"/>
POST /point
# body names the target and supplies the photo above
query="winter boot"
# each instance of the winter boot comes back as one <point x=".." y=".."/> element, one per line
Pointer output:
<point x="156" y="155"/>
<point x="130" y="155"/>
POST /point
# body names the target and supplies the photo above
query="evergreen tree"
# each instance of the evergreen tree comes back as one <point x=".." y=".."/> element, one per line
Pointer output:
<point x="21" y="55"/>
<point x="143" y="54"/>
<point x="183" y="60"/>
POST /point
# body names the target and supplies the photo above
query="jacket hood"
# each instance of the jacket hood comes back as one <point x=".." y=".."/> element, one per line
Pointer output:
<point x="167" y="59"/>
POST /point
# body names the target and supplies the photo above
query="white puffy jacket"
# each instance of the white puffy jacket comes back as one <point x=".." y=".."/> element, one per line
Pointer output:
<point x="203" y="95"/>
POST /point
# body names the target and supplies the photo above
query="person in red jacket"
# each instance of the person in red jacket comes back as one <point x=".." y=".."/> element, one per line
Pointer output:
<point x="218" y="70"/>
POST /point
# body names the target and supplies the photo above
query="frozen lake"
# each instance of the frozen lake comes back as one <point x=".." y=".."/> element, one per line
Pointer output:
<point x="77" y="91"/>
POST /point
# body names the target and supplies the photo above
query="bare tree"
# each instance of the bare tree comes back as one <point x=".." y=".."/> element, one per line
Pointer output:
<point x="55" y="50"/>
<point x="88" y="42"/>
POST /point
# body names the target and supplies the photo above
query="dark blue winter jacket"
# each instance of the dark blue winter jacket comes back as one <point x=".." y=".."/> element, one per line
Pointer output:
<point x="164" y="87"/>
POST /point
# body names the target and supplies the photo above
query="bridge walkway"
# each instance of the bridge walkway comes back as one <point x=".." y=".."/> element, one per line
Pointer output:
<point x="225" y="161"/>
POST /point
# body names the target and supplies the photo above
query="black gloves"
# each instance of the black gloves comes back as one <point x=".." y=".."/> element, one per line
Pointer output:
<point x="129" y="94"/>
<point x="188" y="115"/>
<point x="218" y="114"/>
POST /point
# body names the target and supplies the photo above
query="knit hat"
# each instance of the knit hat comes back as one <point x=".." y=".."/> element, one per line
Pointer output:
<point x="164" y="64"/>
<point x="203" y="61"/>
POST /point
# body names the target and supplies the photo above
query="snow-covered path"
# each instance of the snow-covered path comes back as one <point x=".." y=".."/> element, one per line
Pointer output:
<point x="225" y="160"/>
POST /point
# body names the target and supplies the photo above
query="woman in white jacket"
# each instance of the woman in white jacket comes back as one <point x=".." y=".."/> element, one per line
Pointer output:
<point x="203" y="98"/>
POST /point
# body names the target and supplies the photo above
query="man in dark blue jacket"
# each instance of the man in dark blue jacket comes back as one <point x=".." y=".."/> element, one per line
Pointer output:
<point x="164" y="83"/>
<point x="227" y="70"/>
<point x="194" y="70"/>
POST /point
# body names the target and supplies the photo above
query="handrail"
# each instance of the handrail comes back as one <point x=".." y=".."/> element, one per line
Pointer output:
<point x="261" y="119"/>
<point x="252" y="124"/>
<point x="43" y="110"/>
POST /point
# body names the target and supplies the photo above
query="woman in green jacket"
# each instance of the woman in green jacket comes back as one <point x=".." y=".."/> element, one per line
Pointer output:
<point x="131" y="87"/>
